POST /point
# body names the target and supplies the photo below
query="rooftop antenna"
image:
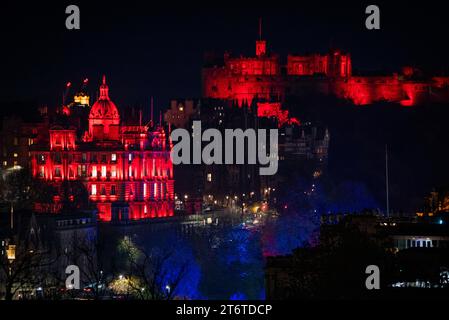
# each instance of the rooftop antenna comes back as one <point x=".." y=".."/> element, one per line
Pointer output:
<point x="151" y="111"/>
<point x="140" y="117"/>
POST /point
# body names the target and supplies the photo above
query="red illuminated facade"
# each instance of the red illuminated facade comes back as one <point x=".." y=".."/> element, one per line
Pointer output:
<point x="125" y="167"/>
<point x="265" y="77"/>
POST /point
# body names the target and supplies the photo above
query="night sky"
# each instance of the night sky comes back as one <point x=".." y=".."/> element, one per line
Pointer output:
<point x="157" y="50"/>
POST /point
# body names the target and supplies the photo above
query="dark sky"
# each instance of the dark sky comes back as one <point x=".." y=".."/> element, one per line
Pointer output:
<point x="150" y="49"/>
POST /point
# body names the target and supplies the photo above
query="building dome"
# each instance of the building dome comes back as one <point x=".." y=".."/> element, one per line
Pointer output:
<point x="104" y="108"/>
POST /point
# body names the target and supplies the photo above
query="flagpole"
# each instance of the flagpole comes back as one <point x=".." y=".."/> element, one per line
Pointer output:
<point x="386" y="181"/>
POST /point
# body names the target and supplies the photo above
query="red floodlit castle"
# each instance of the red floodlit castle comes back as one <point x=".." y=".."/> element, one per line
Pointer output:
<point x="265" y="77"/>
<point x="125" y="167"/>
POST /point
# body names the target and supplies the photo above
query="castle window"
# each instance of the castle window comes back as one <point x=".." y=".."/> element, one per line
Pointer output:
<point x="114" y="157"/>
<point x="94" y="190"/>
<point x="103" y="158"/>
<point x="113" y="172"/>
<point x="209" y="177"/>
<point x="94" y="171"/>
<point x="84" y="157"/>
<point x="103" y="171"/>
<point x="130" y="157"/>
<point x="42" y="172"/>
<point x="130" y="171"/>
<point x="113" y="190"/>
<point x="58" y="172"/>
<point x="103" y="190"/>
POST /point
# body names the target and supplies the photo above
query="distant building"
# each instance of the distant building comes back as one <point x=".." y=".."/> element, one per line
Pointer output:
<point x="17" y="136"/>
<point x="301" y="148"/>
<point x="266" y="76"/>
<point x="125" y="167"/>
<point x="417" y="250"/>
<point x="180" y="112"/>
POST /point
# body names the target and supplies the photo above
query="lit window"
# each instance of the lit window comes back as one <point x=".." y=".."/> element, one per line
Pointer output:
<point x="113" y="172"/>
<point x="103" y="171"/>
<point x="5" y="163"/>
<point x="94" y="171"/>
<point x="94" y="190"/>
<point x="114" y="157"/>
<point x="130" y="157"/>
<point x="42" y="172"/>
<point x="144" y="190"/>
<point x="130" y="171"/>
<point x="15" y="155"/>
<point x="155" y="190"/>
<point x="209" y="177"/>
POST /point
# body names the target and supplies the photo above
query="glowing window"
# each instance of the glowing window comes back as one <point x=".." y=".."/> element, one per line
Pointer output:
<point x="130" y="171"/>
<point x="15" y="155"/>
<point x="5" y="163"/>
<point x="130" y="157"/>
<point x="155" y="189"/>
<point x="94" y="171"/>
<point x="114" y="157"/>
<point x="113" y="172"/>
<point x="103" y="171"/>
<point x="209" y="177"/>
<point x="94" y="190"/>
<point x="144" y="190"/>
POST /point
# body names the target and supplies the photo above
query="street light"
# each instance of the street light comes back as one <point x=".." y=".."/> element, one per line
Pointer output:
<point x="167" y="287"/>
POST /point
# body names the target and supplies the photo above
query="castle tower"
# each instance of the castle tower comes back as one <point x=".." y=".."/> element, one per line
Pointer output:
<point x="104" y="119"/>
<point x="261" y="45"/>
